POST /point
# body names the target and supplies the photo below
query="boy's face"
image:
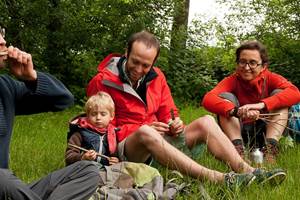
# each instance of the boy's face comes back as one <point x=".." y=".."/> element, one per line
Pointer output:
<point x="99" y="116"/>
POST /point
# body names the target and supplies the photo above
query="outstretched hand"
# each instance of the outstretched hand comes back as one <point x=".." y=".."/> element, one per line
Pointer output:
<point x="20" y="64"/>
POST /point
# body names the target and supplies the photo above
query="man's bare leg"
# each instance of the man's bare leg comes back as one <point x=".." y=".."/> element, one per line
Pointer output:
<point x="147" y="141"/>
<point x="206" y="130"/>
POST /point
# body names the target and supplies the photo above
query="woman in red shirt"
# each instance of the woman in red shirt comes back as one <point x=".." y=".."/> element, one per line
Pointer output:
<point x="252" y="89"/>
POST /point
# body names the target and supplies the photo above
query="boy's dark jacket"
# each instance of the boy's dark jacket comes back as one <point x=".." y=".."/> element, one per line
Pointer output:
<point x="104" y="142"/>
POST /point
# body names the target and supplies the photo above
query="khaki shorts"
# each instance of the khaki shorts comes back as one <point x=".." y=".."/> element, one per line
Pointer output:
<point x="178" y="142"/>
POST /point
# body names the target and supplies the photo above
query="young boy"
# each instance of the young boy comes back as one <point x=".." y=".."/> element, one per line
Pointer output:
<point x="94" y="132"/>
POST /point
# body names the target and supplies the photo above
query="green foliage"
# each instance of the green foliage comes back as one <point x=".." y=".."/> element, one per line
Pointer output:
<point x="69" y="38"/>
<point x="189" y="79"/>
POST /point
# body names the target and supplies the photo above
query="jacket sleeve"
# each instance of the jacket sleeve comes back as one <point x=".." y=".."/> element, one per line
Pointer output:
<point x="216" y="104"/>
<point x="72" y="154"/>
<point x="163" y="113"/>
<point x="45" y="94"/>
<point x="289" y="95"/>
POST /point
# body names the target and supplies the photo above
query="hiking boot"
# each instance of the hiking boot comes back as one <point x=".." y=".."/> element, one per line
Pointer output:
<point x="270" y="152"/>
<point x="274" y="177"/>
<point x="234" y="180"/>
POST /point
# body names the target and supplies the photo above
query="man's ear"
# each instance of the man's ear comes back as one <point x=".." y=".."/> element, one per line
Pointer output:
<point x="126" y="54"/>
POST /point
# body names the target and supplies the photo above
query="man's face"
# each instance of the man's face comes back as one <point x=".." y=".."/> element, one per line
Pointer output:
<point x="3" y="48"/>
<point x="139" y="61"/>
<point x="250" y="64"/>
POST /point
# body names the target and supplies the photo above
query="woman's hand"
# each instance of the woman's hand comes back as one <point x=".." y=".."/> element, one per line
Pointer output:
<point x="250" y="111"/>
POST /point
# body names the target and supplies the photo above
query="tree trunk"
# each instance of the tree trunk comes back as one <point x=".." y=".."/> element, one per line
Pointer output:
<point x="180" y="26"/>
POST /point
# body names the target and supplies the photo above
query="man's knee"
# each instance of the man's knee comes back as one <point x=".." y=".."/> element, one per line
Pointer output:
<point x="205" y="121"/>
<point x="147" y="135"/>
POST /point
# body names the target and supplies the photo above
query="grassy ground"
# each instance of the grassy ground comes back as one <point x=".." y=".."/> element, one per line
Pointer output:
<point x="39" y="142"/>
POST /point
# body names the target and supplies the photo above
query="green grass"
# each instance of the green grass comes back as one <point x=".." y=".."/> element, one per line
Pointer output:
<point x="39" y="142"/>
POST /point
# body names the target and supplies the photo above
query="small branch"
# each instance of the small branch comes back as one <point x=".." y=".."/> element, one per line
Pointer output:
<point x="85" y="150"/>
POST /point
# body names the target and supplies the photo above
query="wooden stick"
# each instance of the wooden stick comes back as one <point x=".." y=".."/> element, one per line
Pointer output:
<point x="269" y="114"/>
<point x="3" y="53"/>
<point x="85" y="150"/>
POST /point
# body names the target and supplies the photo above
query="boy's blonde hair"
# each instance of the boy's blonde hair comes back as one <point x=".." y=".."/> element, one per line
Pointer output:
<point x="100" y="99"/>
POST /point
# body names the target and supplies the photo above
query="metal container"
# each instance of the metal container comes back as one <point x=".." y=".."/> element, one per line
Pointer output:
<point x="257" y="157"/>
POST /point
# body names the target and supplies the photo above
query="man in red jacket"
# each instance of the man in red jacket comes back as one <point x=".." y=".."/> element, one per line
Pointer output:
<point x="239" y="100"/>
<point x="149" y="120"/>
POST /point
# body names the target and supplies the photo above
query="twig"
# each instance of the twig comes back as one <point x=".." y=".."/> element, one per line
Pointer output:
<point x="85" y="150"/>
<point x="172" y="114"/>
<point x="275" y="122"/>
<point x="3" y="53"/>
<point x="269" y="114"/>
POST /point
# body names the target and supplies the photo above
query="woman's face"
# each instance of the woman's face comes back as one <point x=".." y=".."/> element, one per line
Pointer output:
<point x="249" y="65"/>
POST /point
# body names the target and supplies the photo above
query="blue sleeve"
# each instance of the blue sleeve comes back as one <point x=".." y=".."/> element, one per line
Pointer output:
<point x="45" y="94"/>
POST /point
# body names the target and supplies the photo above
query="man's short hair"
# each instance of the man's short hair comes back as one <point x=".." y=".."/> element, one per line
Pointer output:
<point x="101" y="99"/>
<point x="145" y="37"/>
<point x="253" y="45"/>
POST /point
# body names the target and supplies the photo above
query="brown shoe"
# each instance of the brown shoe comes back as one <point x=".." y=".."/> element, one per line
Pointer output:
<point x="270" y="152"/>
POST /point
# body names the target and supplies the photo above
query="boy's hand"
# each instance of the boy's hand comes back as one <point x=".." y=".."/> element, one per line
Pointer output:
<point x="113" y="160"/>
<point x="89" y="155"/>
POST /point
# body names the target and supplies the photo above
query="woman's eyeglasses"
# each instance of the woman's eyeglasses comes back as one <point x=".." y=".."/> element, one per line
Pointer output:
<point x="252" y="64"/>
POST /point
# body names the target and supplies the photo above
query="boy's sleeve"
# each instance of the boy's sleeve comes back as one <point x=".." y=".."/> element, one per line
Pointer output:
<point x="72" y="154"/>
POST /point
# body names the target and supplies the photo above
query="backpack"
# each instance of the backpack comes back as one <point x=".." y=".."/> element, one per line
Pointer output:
<point x="294" y="122"/>
<point x="136" y="181"/>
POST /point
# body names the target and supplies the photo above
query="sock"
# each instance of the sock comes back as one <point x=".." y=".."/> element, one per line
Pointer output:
<point x="236" y="142"/>
<point x="272" y="141"/>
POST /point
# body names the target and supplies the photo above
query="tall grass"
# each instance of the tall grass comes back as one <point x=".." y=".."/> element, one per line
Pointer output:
<point x="39" y="142"/>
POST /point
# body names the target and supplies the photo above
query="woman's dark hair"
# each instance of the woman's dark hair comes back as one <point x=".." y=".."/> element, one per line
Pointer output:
<point x="145" y="37"/>
<point x="253" y="45"/>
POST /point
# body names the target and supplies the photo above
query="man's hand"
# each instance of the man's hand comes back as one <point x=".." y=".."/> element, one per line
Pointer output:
<point x="89" y="155"/>
<point x="176" y="126"/>
<point x="20" y="64"/>
<point x="160" y="127"/>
